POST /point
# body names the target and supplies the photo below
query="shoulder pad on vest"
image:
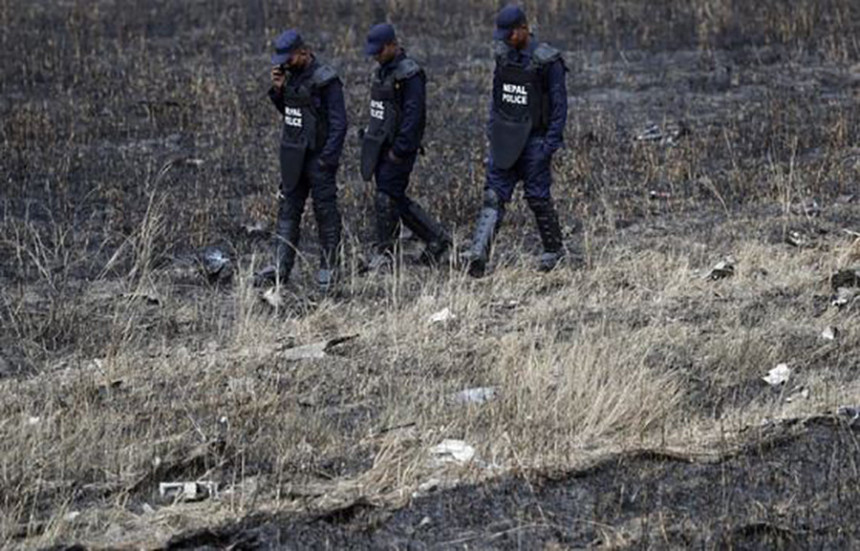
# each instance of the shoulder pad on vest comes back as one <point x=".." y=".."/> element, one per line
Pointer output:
<point x="323" y="75"/>
<point x="545" y="54"/>
<point x="407" y="68"/>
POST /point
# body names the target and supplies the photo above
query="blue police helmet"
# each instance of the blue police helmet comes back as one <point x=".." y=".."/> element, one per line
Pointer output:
<point x="509" y="18"/>
<point x="379" y="35"/>
<point x="286" y="43"/>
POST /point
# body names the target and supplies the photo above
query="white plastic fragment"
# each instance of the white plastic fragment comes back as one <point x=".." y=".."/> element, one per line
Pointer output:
<point x="313" y="351"/>
<point x="778" y="375"/>
<point x="830" y="334"/>
<point x="478" y="395"/>
<point x="33" y="420"/>
<point x="442" y="316"/>
<point x="272" y="297"/>
<point x="453" y="451"/>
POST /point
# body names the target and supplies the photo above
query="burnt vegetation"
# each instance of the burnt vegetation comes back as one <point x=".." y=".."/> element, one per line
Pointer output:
<point x="133" y="136"/>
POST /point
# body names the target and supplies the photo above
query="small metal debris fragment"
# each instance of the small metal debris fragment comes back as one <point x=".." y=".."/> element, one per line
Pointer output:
<point x="315" y="351"/>
<point x="669" y="135"/>
<point x="796" y="239"/>
<point x="478" y="395"/>
<point x="659" y="195"/>
<point x="216" y="265"/>
<point x="843" y="297"/>
<point x="778" y="375"/>
<point x="188" y="491"/>
<point x="723" y="269"/>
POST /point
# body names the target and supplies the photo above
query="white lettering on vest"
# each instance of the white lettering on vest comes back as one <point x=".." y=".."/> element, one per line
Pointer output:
<point x="515" y="93"/>
<point x="377" y="109"/>
<point x="293" y="117"/>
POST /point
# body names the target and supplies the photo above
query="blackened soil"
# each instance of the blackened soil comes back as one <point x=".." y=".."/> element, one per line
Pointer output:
<point x="796" y="486"/>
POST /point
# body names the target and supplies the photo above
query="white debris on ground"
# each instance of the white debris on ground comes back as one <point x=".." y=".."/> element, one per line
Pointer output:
<point x="442" y="316"/>
<point x="778" y="375"/>
<point x="452" y="451"/>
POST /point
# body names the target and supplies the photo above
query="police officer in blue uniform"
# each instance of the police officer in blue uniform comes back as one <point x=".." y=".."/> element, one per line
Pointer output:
<point x="390" y="145"/>
<point x="528" y="113"/>
<point x="308" y="95"/>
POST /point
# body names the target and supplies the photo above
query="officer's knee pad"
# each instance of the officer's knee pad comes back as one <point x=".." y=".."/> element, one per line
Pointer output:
<point x="492" y="199"/>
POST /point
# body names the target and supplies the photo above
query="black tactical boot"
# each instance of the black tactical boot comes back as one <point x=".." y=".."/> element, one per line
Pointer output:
<point x="436" y="239"/>
<point x="489" y="220"/>
<point x="286" y="243"/>
<point x="550" y="233"/>
<point x="329" y="225"/>
<point x="387" y="220"/>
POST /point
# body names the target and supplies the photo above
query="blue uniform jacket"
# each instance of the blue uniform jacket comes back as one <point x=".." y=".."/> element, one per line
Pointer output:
<point x="328" y="100"/>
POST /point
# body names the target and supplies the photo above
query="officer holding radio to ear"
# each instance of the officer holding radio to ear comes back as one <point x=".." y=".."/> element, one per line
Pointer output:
<point x="309" y="96"/>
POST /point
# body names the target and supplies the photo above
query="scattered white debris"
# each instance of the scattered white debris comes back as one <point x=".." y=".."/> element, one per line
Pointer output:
<point x="426" y="521"/>
<point x="453" y="451"/>
<point x="71" y="516"/>
<point x="272" y="297"/>
<point x="830" y="334"/>
<point x="197" y="163"/>
<point x="34" y="421"/>
<point x="442" y="316"/>
<point x="147" y="509"/>
<point x="188" y="491"/>
<point x="478" y="395"/>
<point x="778" y="375"/>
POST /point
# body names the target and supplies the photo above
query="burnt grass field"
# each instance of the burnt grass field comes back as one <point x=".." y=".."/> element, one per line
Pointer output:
<point x="628" y="407"/>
